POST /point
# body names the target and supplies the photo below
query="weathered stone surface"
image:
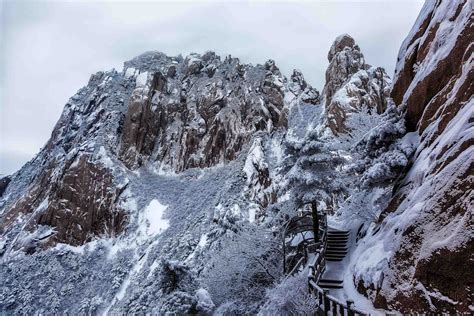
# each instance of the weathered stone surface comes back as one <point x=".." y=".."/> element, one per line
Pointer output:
<point x="78" y="203"/>
<point x="352" y="86"/>
<point x="141" y="123"/>
<point x="70" y="198"/>
<point x="299" y="86"/>
<point x="4" y="184"/>
<point x="83" y="204"/>
<point x="345" y="59"/>
<point x="167" y="112"/>
<point x="431" y="268"/>
<point x="201" y="118"/>
<point x="429" y="64"/>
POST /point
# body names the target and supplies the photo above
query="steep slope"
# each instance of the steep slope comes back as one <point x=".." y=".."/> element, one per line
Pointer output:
<point x="424" y="238"/>
<point x="200" y="114"/>
<point x="164" y="187"/>
<point x="151" y="179"/>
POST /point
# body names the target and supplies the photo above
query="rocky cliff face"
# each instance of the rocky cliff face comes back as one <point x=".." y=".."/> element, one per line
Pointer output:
<point x="71" y="187"/>
<point x="195" y="137"/>
<point x="427" y="231"/>
<point x="198" y="111"/>
<point x="352" y="87"/>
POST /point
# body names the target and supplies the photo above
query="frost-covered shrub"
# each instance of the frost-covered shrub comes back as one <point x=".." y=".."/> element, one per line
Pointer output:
<point x="290" y="297"/>
<point x="236" y="307"/>
<point x="243" y="267"/>
<point x="205" y="305"/>
<point x="383" y="153"/>
<point x="80" y="281"/>
<point x="260" y="188"/>
<point x="380" y="138"/>
<point x="180" y="303"/>
<point x="175" y="275"/>
<point x="228" y="219"/>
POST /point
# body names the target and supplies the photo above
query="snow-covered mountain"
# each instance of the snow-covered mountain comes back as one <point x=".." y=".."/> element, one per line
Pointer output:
<point x="151" y="178"/>
<point x="164" y="187"/>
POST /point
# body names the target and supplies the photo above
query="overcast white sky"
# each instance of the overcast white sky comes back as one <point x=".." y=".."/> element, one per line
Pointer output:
<point x="48" y="50"/>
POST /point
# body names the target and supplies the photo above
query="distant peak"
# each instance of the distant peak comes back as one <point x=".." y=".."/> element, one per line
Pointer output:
<point x="342" y="41"/>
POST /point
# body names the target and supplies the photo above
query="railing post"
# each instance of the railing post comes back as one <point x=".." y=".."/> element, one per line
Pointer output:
<point x="310" y="278"/>
<point x="349" y="311"/>
<point x="314" y="214"/>
<point x="326" y="302"/>
<point x="341" y="310"/>
<point x="334" y="308"/>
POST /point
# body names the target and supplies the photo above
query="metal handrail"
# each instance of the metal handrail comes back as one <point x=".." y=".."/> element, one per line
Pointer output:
<point x="327" y="303"/>
<point x="294" y="227"/>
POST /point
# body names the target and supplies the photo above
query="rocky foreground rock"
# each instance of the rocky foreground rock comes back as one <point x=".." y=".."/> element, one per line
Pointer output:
<point x="434" y="81"/>
<point x="423" y="238"/>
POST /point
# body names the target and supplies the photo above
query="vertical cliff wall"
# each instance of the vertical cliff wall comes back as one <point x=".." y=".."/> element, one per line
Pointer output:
<point x="426" y="233"/>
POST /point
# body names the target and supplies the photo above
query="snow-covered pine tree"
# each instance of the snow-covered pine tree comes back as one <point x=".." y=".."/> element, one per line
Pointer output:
<point x="382" y="153"/>
<point x="314" y="170"/>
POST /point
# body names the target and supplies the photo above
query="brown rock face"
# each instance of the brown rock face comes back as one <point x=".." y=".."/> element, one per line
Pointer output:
<point x="352" y="86"/>
<point x="345" y="59"/>
<point x="203" y="114"/>
<point x="141" y="122"/>
<point x="429" y="65"/>
<point x="83" y="205"/>
<point x="431" y="269"/>
<point x="170" y="112"/>
<point x="78" y="205"/>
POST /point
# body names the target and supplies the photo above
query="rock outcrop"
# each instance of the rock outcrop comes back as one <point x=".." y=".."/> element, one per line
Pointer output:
<point x="200" y="111"/>
<point x="300" y="88"/>
<point x="260" y="189"/>
<point x="98" y="225"/>
<point x="77" y="203"/>
<point x="4" y="184"/>
<point x="434" y="64"/>
<point x="71" y="187"/>
<point x="428" y="226"/>
<point x="352" y="86"/>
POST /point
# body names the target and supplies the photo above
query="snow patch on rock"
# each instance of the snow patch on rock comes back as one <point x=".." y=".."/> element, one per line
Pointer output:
<point x="153" y="221"/>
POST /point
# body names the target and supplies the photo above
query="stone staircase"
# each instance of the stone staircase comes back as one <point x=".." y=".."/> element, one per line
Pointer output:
<point x="336" y="250"/>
